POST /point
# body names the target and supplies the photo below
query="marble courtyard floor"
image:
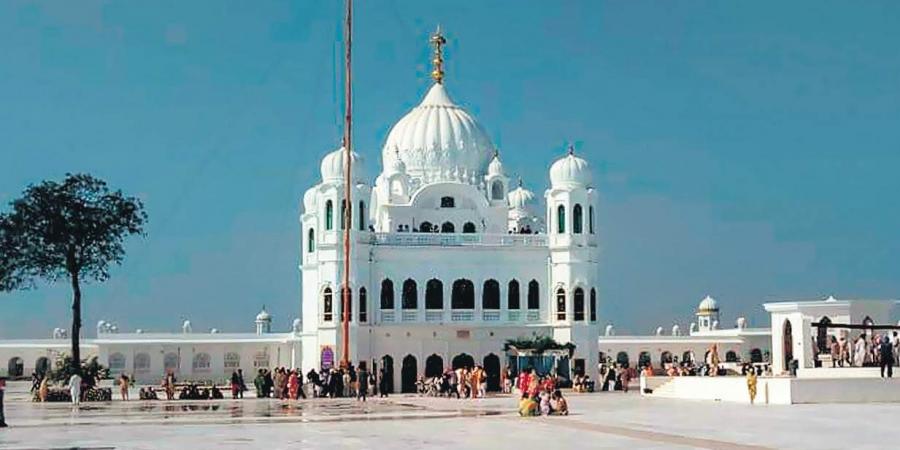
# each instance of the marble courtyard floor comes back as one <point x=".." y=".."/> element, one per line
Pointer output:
<point x="598" y="421"/>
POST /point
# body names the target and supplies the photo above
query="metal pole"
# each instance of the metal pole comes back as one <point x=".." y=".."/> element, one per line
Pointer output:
<point x="348" y="221"/>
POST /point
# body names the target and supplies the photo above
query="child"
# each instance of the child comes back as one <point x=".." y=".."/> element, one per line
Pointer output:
<point x="560" y="404"/>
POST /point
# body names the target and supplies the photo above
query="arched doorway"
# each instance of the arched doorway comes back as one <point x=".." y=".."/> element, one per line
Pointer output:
<point x="468" y="227"/>
<point x="492" y="370"/>
<point x="447" y="227"/>
<point x="16" y="367"/>
<point x="463" y="360"/>
<point x="387" y="363"/>
<point x="731" y="356"/>
<point x="756" y="355"/>
<point x="434" y="366"/>
<point x="644" y="360"/>
<point x="42" y="366"/>
<point x="622" y="359"/>
<point x="788" y="344"/>
<point x="687" y="356"/>
<point x="408" y="373"/>
<point x="463" y="295"/>
<point x="822" y="335"/>
<point x="665" y="358"/>
<point x="425" y="227"/>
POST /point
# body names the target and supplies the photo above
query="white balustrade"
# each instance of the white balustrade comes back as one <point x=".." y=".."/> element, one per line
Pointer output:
<point x="458" y="239"/>
<point x="387" y="316"/>
<point x="490" y="316"/>
<point x="462" y="316"/>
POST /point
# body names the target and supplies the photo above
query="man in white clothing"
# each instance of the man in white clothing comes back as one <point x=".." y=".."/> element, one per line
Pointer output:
<point x="75" y="389"/>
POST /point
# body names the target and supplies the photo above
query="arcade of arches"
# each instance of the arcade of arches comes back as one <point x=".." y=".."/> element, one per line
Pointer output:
<point x="412" y="368"/>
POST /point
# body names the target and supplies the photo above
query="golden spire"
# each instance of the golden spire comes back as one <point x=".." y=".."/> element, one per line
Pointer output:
<point x="438" y="41"/>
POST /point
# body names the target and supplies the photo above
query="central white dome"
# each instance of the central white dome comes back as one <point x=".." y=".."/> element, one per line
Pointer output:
<point x="438" y="140"/>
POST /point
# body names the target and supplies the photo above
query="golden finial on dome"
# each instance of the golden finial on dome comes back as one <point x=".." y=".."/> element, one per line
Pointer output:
<point x="571" y="150"/>
<point x="438" y="41"/>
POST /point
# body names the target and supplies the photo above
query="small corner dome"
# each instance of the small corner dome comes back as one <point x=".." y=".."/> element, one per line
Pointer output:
<point x="263" y="316"/>
<point x="495" y="168"/>
<point x="570" y="170"/>
<point x="309" y="199"/>
<point x="395" y="165"/>
<point x="708" y="304"/>
<point x="520" y="198"/>
<point x="333" y="166"/>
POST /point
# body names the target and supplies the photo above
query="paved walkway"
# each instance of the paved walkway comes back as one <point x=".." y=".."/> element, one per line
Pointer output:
<point x="599" y="421"/>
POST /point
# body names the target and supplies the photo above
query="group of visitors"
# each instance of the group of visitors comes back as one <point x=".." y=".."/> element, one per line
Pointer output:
<point x="539" y="395"/>
<point x="867" y="350"/>
<point x="279" y="383"/>
<point x="463" y="382"/>
<point x="582" y="383"/>
<point x="615" y="377"/>
<point x="193" y="391"/>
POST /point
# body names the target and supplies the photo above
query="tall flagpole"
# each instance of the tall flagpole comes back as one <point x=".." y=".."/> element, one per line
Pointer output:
<point x="348" y="208"/>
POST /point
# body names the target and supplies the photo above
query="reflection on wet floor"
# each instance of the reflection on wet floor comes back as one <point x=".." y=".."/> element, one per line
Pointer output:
<point x="230" y="411"/>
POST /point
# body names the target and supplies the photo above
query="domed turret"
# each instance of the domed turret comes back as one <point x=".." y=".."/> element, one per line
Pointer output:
<point x="440" y="140"/>
<point x="708" y="304"/>
<point x="520" y="198"/>
<point x="333" y="165"/>
<point x="263" y="322"/>
<point x="495" y="168"/>
<point x="570" y="170"/>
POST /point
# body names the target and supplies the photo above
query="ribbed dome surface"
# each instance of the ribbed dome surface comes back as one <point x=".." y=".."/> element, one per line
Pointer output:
<point x="520" y="198"/>
<point x="440" y="140"/>
<point x="570" y="170"/>
<point x="708" y="304"/>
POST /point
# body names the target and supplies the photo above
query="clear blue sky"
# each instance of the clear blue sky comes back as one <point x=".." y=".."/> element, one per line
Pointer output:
<point x="750" y="150"/>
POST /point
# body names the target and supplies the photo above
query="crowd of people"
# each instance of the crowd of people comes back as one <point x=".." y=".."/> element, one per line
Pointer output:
<point x="540" y="395"/>
<point x="463" y="382"/>
<point x="867" y="350"/>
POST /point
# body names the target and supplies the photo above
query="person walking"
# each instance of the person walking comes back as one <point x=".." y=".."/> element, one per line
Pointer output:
<point x="242" y="384"/>
<point x="2" y="390"/>
<point x="887" y="356"/>
<point x="123" y="386"/>
<point x="382" y="383"/>
<point x="235" y="385"/>
<point x="362" y="383"/>
<point x="75" y="389"/>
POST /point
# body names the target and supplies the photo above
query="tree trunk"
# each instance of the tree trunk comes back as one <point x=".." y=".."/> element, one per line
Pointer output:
<point x="76" y="323"/>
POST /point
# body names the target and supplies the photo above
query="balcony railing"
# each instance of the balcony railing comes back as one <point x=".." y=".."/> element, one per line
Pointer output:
<point x="490" y="316"/>
<point x="387" y="316"/>
<point x="513" y="316"/>
<point x="434" y="316"/>
<point x="409" y="316"/>
<point x="458" y="239"/>
<point x="533" y="315"/>
<point x="462" y="316"/>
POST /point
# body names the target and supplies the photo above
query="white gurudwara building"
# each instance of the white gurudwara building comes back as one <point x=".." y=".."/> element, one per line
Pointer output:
<point x="449" y="259"/>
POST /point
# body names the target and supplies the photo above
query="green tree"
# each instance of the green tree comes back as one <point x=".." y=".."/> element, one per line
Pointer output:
<point x="71" y="229"/>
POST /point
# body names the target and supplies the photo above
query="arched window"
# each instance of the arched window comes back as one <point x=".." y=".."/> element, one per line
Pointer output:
<point x="534" y="295"/>
<point x="362" y="216"/>
<point x="463" y="295"/>
<point x="425" y="227"/>
<point x="490" y="295"/>
<point x="434" y="294"/>
<point x="468" y="227"/>
<point x="593" y="305"/>
<point x="343" y="214"/>
<point x="311" y="241"/>
<point x="756" y="355"/>
<point x="447" y="227"/>
<point x="448" y="202"/>
<point x="170" y="362"/>
<point x="731" y="356"/>
<point x="591" y="219"/>
<point x="349" y="293"/>
<point x="561" y="219"/>
<point x="201" y="362"/>
<point x="387" y="294"/>
<point x="577" y="219"/>
<point x="327" y="305"/>
<point x="665" y="358"/>
<point x="578" y="299"/>
<point x="512" y="295"/>
<point x="116" y="362"/>
<point x="409" y="297"/>
<point x="232" y="360"/>
<point x="497" y="190"/>
<point x="560" y="304"/>
<point x="329" y="215"/>
<point x="363" y="306"/>
<point x="142" y="362"/>
<point x="622" y="359"/>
